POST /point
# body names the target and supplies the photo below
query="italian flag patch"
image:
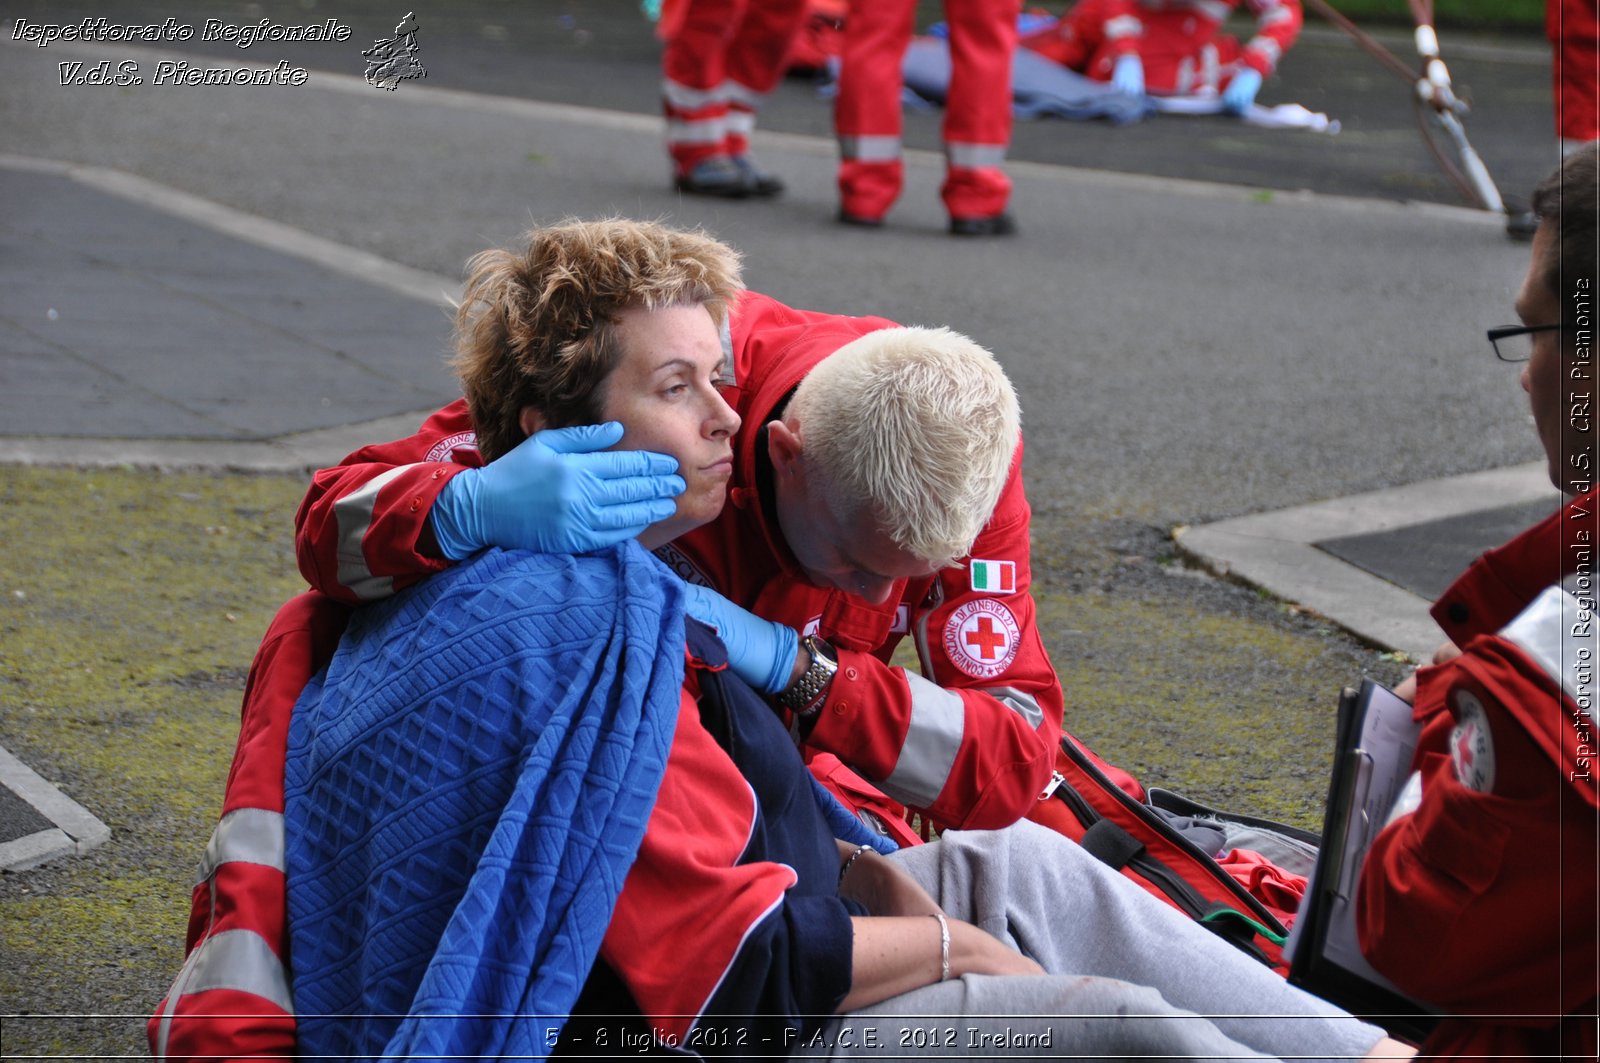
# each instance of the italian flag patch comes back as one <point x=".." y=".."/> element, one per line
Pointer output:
<point x="993" y="577"/>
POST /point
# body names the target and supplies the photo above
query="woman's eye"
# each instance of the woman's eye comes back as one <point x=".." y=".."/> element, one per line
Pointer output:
<point x="675" y="390"/>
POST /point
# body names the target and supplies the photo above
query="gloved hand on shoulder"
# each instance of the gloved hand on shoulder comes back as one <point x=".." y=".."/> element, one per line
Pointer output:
<point x="1127" y="76"/>
<point x="760" y="652"/>
<point x="1241" y="90"/>
<point x="558" y="492"/>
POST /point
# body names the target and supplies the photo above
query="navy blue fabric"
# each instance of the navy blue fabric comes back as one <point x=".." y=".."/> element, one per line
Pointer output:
<point x="1039" y="87"/>
<point x="466" y="787"/>
<point x="794" y="966"/>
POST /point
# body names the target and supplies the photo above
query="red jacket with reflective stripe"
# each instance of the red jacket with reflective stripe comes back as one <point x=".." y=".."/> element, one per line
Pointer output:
<point x="973" y="744"/>
<point x="1483" y="899"/>
<point x="697" y="904"/>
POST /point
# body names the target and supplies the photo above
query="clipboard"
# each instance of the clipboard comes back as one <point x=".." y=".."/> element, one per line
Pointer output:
<point x="1374" y="742"/>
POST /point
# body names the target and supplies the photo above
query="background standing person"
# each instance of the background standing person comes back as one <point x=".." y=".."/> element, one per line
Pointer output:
<point x="721" y="59"/>
<point x="977" y="115"/>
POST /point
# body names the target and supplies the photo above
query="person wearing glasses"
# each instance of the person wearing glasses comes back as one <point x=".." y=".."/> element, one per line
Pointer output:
<point x="1479" y="896"/>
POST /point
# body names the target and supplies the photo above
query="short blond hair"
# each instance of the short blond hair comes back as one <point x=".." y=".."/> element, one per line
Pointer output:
<point x="537" y="327"/>
<point x="917" y="426"/>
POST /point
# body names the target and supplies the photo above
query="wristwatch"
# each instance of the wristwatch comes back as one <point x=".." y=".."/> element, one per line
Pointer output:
<point x="804" y="697"/>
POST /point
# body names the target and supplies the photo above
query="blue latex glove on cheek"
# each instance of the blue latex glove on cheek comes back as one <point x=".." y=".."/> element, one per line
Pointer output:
<point x="1241" y="91"/>
<point x="760" y="652"/>
<point x="1127" y="76"/>
<point x="558" y="492"/>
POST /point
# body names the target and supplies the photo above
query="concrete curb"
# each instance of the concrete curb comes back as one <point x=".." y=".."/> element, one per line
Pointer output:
<point x="76" y="829"/>
<point x="1277" y="551"/>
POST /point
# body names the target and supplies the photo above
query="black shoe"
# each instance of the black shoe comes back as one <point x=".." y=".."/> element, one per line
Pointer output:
<point x="998" y="225"/>
<point x="860" y="222"/>
<point x="760" y="181"/>
<point x="1521" y="225"/>
<point x="716" y="176"/>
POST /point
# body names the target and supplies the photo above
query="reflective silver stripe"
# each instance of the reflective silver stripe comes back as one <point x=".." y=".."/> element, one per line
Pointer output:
<point x="1024" y="705"/>
<point x="1274" y="15"/>
<point x="1185" y="79"/>
<point x="245" y="835"/>
<point x="725" y="334"/>
<point x="975" y="156"/>
<point x="353" y="513"/>
<point x="240" y="960"/>
<point x="743" y="95"/>
<point x="933" y="737"/>
<point x="1559" y="633"/>
<point x="869" y="149"/>
<point x="1269" y="49"/>
<point x="1123" y="26"/>
<point x="681" y="96"/>
<point x="234" y="959"/>
<point x="709" y="131"/>
<point x="741" y="122"/>
<point x="1214" y="9"/>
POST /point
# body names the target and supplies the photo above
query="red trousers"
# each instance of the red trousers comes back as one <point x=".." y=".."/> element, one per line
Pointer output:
<point x="1573" y="27"/>
<point x="722" y="59"/>
<point x="977" y="117"/>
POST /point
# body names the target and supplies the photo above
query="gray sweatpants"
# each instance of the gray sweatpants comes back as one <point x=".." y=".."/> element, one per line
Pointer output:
<point x="1130" y="977"/>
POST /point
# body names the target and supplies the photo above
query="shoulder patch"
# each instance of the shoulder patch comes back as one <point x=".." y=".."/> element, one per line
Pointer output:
<point x="1472" y="744"/>
<point x="992" y="577"/>
<point x="981" y="637"/>
<point x="442" y="450"/>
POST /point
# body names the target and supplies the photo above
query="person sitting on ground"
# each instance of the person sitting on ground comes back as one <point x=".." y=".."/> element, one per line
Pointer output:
<point x="1480" y="896"/>
<point x="1172" y="48"/>
<point x="509" y="797"/>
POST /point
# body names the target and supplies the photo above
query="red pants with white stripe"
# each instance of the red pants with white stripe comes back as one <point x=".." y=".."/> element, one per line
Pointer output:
<point x="1573" y="27"/>
<point x="719" y="64"/>
<point x="977" y="117"/>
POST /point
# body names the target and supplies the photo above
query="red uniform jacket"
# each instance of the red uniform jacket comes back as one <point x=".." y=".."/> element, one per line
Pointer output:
<point x="1483" y="900"/>
<point x="971" y="741"/>
<point x="1177" y="40"/>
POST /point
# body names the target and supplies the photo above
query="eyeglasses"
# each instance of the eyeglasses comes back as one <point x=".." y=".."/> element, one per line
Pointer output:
<point x="1514" y="343"/>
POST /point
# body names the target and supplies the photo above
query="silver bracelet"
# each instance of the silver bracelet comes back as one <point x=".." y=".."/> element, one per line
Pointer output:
<point x="944" y="947"/>
<point x="852" y="859"/>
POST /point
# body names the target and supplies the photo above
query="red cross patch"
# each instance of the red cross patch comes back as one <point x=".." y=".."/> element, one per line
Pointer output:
<point x="981" y="638"/>
<point x="1472" y="744"/>
<point x="442" y="450"/>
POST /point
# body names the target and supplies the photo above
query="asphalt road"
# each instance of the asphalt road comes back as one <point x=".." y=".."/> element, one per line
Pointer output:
<point x="1193" y="337"/>
<point x="1184" y="352"/>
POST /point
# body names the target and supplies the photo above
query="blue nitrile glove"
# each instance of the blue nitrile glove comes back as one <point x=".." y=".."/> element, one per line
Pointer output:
<point x="1241" y="90"/>
<point x="1127" y="77"/>
<point x="759" y="652"/>
<point x="559" y="492"/>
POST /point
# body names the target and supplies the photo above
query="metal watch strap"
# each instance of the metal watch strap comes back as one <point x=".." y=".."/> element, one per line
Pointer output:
<point x="804" y="696"/>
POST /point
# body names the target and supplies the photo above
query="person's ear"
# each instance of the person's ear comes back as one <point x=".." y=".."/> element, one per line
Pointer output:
<point x="784" y="447"/>
<point x="530" y="420"/>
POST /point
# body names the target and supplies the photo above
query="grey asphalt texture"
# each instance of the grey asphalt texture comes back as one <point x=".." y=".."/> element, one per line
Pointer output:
<point x="1186" y="352"/>
<point x="1304" y="324"/>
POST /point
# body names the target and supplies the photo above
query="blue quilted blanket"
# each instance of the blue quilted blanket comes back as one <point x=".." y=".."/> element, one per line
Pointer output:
<point x="466" y="788"/>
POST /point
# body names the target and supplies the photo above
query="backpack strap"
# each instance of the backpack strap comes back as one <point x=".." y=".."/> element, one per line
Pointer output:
<point x="1110" y="844"/>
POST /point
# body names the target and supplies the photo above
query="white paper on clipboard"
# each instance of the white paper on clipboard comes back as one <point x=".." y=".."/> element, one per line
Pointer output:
<point x="1381" y="761"/>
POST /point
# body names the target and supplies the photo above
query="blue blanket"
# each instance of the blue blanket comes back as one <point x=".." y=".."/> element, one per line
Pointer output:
<point x="466" y="788"/>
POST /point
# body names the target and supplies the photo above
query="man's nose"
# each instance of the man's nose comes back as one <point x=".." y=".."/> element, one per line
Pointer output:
<point x="1527" y="378"/>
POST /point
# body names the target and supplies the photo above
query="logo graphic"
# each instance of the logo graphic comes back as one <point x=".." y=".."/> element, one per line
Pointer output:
<point x="993" y="577"/>
<point x="1471" y="745"/>
<point x="392" y="60"/>
<point x="450" y="444"/>
<point x="980" y="638"/>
